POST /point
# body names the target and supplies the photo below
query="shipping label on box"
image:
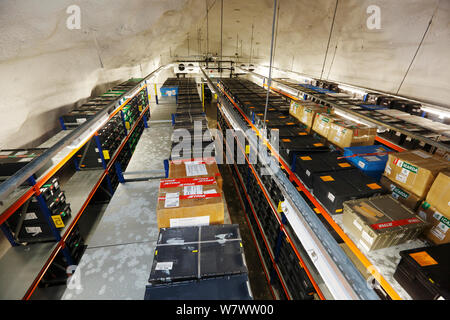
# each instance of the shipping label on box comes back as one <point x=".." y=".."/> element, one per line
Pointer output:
<point x="194" y="168"/>
<point x="189" y="201"/>
<point x="438" y="232"/>
<point x="413" y="171"/>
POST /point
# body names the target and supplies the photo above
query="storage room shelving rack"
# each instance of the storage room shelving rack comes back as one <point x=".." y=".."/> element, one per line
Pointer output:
<point x="22" y="267"/>
<point x="329" y="268"/>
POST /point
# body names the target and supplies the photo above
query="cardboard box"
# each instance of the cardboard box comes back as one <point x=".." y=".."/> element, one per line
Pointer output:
<point x="407" y="198"/>
<point x="415" y="170"/>
<point x="322" y="123"/>
<point x="381" y="222"/>
<point x="305" y="112"/>
<point x="346" y="133"/>
<point x="189" y="202"/>
<point x="195" y="168"/>
<point x="439" y="194"/>
<point x="297" y="108"/>
<point x="438" y="230"/>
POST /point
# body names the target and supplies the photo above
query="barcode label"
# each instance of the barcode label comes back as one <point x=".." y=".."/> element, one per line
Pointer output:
<point x="33" y="230"/>
<point x="195" y="169"/>
<point x="30" y="216"/>
<point x="331" y="196"/>
<point x="172" y="200"/>
<point x="188" y="190"/>
<point x="164" y="266"/>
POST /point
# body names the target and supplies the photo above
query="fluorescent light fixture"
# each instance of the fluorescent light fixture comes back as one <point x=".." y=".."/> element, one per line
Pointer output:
<point x="441" y="113"/>
<point x="345" y="115"/>
<point x="288" y="90"/>
<point x="352" y="90"/>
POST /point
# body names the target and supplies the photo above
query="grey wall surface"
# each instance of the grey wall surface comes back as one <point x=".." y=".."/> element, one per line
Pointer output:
<point x="47" y="69"/>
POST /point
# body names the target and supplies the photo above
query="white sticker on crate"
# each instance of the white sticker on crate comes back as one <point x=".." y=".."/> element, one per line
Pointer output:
<point x="189" y="222"/>
<point x="30" y="216"/>
<point x="372" y="158"/>
<point x="195" y="169"/>
<point x="357" y="225"/>
<point x="367" y="237"/>
<point x="388" y="169"/>
<point x="331" y="196"/>
<point x="361" y="164"/>
<point x="189" y="190"/>
<point x="437" y="233"/>
<point x="172" y="200"/>
<point x="81" y="120"/>
<point x="364" y="245"/>
<point x="308" y="173"/>
<point x="164" y="266"/>
<point x="33" y="230"/>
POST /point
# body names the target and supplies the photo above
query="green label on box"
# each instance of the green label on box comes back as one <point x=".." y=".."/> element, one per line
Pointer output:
<point x="409" y="167"/>
<point x="445" y="221"/>
<point x="401" y="193"/>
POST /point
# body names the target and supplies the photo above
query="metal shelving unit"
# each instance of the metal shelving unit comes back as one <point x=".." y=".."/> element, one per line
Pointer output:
<point x="22" y="267"/>
<point x="334" y="268"/>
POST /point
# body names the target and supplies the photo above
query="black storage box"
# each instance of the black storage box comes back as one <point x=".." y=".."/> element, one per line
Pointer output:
<point x="291" y="147"/>
<point x="313" y="164"/>
<point x="234" y="287"/>
<point x="333" y="188"/>
<point x="189" y="253"/>
<point x="425" y="272"/>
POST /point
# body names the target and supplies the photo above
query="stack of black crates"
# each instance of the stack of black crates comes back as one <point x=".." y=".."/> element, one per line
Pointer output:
<point x="199" y="263"/>
<point x="191" y="138"/>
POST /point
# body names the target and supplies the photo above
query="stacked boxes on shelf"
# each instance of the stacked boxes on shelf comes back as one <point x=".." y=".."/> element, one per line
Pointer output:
<point x="12" y="160"/>
<point x="436" y="209"/>
<point x="29" y="223"/>
<point x="199" y="262"/>
<point x="191" y="137"/>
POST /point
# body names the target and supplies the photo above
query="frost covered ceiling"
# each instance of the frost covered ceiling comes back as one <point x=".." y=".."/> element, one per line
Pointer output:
<point x="46" y="68"/>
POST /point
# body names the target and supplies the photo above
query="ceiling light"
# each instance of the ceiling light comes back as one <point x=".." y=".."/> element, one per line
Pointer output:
<point x="352" y="90"/>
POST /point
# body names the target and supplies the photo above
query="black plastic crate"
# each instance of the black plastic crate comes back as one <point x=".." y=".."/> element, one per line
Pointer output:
<point x="424" y="272"/>
<point x="307" y="166"/>
<point x="335" y="187"/>
<point x="197" y="253"/>
<point x="289" y="148"/>
<point x="225" y="288"/>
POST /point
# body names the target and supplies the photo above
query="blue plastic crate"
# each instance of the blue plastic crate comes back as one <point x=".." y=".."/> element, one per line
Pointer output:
<point x="371" y="165"/>
<point x="372" y="107"/>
